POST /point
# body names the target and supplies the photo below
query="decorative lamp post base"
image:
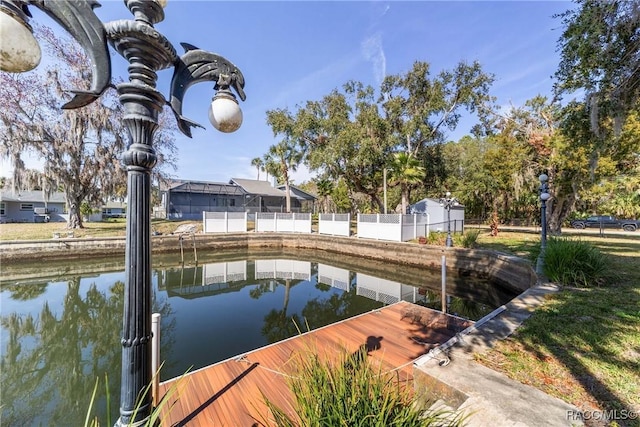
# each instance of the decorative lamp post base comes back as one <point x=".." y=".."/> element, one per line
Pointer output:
<point x="540" y="265"/>
<point x="449" y="241"/>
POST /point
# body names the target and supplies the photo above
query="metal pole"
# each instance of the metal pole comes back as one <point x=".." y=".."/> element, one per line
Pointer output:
<point x="155" y="356"/>
<point x="195" y="251"/>
<point x="443" y="290"/>
<point x="384" y="174"/>
<point x="544" y="196"/>
<point x="142" y="104"/>
<point x="449" y="242"/>
<point x="543" y="240"/>
<point x="447" y="202"/>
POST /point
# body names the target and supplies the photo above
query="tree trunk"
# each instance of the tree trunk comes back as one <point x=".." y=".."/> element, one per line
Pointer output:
<point x="75" y="218"/>
<point x="376" y="203"/>
<point x="287" y="190"/>
<point x="405" y="199"/>
<point x="557" y="211"/>
<point x="287" y="289"/>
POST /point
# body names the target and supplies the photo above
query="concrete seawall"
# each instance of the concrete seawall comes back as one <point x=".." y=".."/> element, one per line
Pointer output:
<point x="500" y="268"/>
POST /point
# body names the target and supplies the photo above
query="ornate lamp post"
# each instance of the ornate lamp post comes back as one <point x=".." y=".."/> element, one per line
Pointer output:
<point x="544" y="196"/>
<point x="448" y="202"/>
<point x="147" y="51"/>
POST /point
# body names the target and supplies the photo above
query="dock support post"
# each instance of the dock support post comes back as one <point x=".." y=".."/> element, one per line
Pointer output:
<point x="155" y="357"/>
<point x="444" y="284"/>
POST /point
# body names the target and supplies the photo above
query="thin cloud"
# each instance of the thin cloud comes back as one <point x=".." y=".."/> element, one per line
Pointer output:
<point x="314" y="80"/>
<point x="386" y="9"/>
<point x="521" y="75"/>
<point x="373" y="52"/>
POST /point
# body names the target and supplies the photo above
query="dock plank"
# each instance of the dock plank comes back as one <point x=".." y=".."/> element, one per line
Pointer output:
<point x="230" y="393"/>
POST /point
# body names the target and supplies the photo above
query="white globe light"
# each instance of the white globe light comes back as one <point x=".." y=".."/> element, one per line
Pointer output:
<point x="19" y="50"/>
<point x="545" y="196"/>
<point x="225" y="113"/>
<point x="543" y="178"/>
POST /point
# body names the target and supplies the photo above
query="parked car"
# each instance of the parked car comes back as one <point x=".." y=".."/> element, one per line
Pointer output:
<point x="606" y="221"/>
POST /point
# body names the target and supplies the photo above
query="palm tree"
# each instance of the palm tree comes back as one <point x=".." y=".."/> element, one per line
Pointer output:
<point x="625" y="205"/>
<point x="325" y="188"/>
<point x="258" y="163"/>
<point x="282" y="159"/>
<point x="406" y="172"/>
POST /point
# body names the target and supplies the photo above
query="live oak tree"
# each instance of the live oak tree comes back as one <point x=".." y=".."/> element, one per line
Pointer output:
<point x="351" y="135"/>
<point x="600" y="60"/>
<point x="79" y="149"/>
<point x="614" y="176"/>
<point x="421" y="108"/>
<point x="467" y="177"/>
<point x="342" y="137"/>
<point x="600" y="55"/>
<point x="501" y="172"/>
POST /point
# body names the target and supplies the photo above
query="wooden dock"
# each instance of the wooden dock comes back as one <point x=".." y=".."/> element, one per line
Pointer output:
<point x="230" y="393"/>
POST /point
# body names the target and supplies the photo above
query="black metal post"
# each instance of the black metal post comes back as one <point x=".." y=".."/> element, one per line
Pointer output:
<point x="544" y="196"/>
<point x="448" y="202"/>
<point x="142" y="104"/>
<point x="449" y="242"/>
<point x="543" y="240"/>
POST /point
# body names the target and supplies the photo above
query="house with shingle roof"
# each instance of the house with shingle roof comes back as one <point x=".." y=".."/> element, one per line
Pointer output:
<point x="184" y="199"/>
<point x="32" y="206"/>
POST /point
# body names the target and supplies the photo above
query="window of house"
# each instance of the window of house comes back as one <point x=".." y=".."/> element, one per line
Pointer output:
<point x="2" y="207"/>
<point x="26" y="206"/>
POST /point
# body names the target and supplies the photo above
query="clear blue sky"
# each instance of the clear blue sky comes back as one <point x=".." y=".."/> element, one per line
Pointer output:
<point x="294" y="51"/>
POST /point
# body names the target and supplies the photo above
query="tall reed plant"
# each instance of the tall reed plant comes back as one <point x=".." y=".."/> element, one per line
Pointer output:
<point x="350" y="392"/>
<point x="573" y="262"/>
<point x="164" y="406"/>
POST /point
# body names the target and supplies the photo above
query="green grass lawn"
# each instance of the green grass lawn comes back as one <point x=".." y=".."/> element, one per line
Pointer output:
<point x="582" y="345"/>
<point x="111" y="228"/>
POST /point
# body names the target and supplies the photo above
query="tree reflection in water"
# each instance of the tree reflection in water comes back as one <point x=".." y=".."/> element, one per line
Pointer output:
<point x="316" y="313"/>
<point x="56" y="357"/>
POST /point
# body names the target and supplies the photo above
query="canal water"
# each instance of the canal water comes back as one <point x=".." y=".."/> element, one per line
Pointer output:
<point x="61" y="322"/>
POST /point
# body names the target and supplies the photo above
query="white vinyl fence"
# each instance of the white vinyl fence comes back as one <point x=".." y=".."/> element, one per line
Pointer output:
<point x="224" y="222"/>
<point x="283" y="222"/>
<point x="224" y="272"/>
<point x="386" y="291"/>
<point x="334" y="224"/>
<point x="334" y="276"/>
<point x="394" y="227"/>
<point x="282" y="269"/>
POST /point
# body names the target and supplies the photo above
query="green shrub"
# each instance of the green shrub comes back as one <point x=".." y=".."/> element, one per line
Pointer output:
<point x="467" y="240"/>
<point x="437" y="238"/>
<point x="350" y="392"/>
<point x="575" y="263"/>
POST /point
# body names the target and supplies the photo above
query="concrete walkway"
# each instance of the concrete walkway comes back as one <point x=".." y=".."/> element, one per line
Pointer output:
<point x="489" y="398"/>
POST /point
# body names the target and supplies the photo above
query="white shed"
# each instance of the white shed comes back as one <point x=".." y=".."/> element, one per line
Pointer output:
<point x="438" y="215"/>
